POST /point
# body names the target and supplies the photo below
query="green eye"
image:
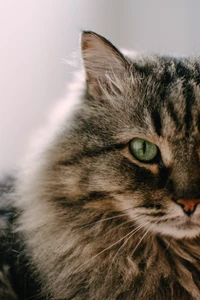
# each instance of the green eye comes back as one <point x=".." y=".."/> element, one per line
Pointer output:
<point x="143" y="150"/>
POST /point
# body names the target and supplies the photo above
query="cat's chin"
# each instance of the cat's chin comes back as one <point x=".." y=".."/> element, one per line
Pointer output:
<point x="179" y="230"/>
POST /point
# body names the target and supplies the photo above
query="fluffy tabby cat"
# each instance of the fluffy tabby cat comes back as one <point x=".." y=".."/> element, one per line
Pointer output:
<point x="106" y="207"/>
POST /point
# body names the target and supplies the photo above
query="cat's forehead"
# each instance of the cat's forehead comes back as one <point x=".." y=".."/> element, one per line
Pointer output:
<point x="180" y="67"/>
<point x="169" y="95"/>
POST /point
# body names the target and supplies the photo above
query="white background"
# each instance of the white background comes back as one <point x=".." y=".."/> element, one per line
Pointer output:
<point x="36" y="36"/>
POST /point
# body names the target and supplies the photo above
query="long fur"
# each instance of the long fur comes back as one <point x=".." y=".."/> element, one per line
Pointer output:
<point x="96" y="223"/>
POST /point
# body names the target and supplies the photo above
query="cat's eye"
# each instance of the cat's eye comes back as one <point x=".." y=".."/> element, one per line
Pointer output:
<point x="143" y="150"/>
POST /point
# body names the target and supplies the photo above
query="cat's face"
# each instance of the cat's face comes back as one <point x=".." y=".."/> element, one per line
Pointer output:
<point x="135" y="144"/>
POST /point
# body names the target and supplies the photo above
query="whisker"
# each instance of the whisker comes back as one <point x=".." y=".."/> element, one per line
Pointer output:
<point x="107" y="219"/>
<point x="117" y="227"/>
<point x="153" y="232"/>
<point x="125" y="242"/>
<point x="146" y="232"/>
<point x="129" y="221"/>
<point x="104" y="250"/>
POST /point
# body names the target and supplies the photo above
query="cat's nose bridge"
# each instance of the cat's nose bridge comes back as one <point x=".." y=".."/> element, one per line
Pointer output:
<point x="186" y="181"/>
<point x="186" y="178"/>
<point x="187" y="189"/>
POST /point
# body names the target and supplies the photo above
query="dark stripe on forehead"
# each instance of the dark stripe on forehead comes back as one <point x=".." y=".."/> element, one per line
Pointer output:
<point x="186" y="73"/>
<point x="167" y="78"/>
<point x="189" y="95"/>
<point x="155" y="116"/>
<point x="183" y="71"/>
<point x="143" y="69"/>
<point x="174" y="115"/>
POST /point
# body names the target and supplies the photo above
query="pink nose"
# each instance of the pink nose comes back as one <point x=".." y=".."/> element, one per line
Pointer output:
<point x="188" y="205"/>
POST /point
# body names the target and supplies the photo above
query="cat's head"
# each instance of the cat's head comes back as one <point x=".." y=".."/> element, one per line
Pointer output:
<point x="134" y="144"/>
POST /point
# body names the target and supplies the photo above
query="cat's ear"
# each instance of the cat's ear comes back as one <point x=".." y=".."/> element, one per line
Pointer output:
<point x="102" y="62"/>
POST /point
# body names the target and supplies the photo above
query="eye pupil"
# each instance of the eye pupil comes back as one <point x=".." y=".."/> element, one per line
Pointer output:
<point x="143" y="150"/>
<point x="144" y="147"/>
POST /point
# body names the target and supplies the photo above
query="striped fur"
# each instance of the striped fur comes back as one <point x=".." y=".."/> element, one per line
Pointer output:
<point x="98" y="224"/>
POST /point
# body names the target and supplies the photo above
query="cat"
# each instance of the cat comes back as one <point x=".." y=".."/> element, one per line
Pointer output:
<point x="105" y="207"/>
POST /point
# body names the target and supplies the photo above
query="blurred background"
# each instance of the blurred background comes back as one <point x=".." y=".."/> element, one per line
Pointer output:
<point x="38" y="36"/>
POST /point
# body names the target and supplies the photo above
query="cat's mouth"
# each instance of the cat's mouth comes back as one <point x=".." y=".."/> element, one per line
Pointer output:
<point x="187" y="224"/>
<point x="181" y="227"/>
